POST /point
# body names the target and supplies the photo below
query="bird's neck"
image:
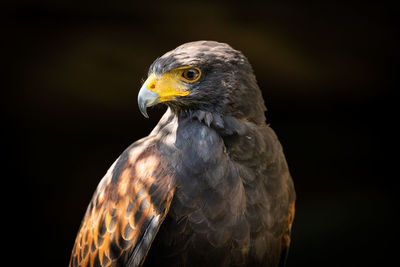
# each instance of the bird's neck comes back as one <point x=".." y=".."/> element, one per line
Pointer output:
<point x="241" y="138"/>
<point x="224" y="124"/>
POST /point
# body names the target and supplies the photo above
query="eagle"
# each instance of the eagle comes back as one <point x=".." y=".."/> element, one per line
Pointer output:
<point x="210" y="185"/>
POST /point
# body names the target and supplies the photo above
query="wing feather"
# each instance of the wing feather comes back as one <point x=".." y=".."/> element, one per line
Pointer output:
<point x="126" y="210"/>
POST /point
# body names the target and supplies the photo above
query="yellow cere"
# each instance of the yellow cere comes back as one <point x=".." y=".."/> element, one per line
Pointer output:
<point x="168" y="85"/>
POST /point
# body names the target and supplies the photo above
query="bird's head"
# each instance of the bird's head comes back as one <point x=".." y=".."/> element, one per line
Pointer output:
<point x="207" y="76"/>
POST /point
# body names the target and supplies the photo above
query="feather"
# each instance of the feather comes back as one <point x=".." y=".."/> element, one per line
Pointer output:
<point x="127" y="210"/>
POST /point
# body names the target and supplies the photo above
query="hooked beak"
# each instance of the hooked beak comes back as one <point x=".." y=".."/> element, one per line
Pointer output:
<point x="147" y="98"/>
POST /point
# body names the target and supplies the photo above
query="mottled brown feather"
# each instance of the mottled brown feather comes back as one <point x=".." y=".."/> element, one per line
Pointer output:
<point x="289" y="222"/>
<point x="122" y="208"/>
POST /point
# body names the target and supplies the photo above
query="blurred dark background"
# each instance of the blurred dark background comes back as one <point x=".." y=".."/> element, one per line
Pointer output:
<point x="73" y="71"/>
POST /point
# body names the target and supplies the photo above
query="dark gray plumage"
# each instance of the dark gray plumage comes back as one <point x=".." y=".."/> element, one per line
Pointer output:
<point x="233" y="197"/>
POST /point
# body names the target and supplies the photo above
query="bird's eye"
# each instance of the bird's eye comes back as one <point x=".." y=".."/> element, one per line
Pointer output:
<point x="191" y="75"/>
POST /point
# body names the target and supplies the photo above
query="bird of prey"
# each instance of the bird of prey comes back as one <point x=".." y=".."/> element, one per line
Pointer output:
<point x="209" y="186"/>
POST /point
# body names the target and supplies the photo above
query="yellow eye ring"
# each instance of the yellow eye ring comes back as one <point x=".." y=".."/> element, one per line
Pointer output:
<point x="191" y="74"/>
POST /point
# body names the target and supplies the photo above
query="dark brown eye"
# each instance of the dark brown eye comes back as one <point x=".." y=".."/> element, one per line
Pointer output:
<point x="191" y="75"/>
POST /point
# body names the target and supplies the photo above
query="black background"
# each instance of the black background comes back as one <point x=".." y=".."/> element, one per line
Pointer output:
<point x="73" y="71"/>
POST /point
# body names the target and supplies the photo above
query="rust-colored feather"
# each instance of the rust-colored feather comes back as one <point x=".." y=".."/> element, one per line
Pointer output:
<point x="289" y="222"/>
<point x="134" y="196"/>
